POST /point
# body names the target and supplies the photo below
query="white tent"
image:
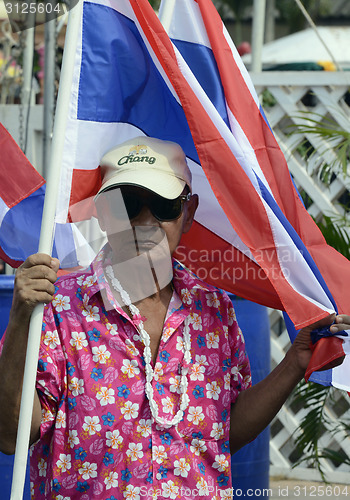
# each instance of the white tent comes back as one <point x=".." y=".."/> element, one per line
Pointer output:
<point x="305" y="46"/>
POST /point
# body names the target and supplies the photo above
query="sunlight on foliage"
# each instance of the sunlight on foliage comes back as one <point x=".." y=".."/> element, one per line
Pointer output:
<point x="335" y="143"/>
<point x="316" y="398"/>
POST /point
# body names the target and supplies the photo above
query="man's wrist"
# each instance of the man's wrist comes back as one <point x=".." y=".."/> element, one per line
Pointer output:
<point x="294" y="365"/>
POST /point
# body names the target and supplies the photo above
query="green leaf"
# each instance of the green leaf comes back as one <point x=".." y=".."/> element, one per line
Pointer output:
<point x="335" y="140"/>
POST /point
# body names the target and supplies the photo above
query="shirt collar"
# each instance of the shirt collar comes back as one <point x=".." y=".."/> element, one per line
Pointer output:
<point x="186" y="283"/>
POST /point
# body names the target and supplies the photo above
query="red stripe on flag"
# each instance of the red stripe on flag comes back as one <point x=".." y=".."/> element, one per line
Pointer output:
<point x="327" y="353"/>
<point x="252" y="122"/>
<point x="85" y="185"/>
<point x="335" y="270"/>
<point x="243" y="108"/>
<point x="217" y="262"/>
<point x="5" y="258"/>
<point x="18" y="178"/>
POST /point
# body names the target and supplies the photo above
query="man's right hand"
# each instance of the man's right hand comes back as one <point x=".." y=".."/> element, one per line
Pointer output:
<point x="34" y="284"/>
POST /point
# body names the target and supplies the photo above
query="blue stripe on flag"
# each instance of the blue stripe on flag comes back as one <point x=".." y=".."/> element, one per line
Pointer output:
<point x="262" y="112"/>
<point x="64" y="246"/>
<point x="324" y="377"/>
<point x="203" y="65"/>
<point x="113" y="90"/>
<point x="20" y="228"/>
<point x="20" y="232"/>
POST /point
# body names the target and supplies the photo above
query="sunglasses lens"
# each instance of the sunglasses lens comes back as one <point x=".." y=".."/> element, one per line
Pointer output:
<point x="133" y="205"/>
<point x="161" y="208"/>
<point x="166" y="210"/>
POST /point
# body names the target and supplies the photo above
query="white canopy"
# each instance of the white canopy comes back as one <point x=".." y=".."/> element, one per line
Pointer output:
<point x="305" y="46"/>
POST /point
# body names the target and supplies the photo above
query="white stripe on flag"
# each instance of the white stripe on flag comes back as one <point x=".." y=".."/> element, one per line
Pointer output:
<point x="187" y="24"/>
<point x="340" y="374"/>
<point x="213" y="114"/>
<point x="241" y="67"/>
<point x="209" y="211"/>
<point x="3" y="210"/>
<point x="294" y="267"/>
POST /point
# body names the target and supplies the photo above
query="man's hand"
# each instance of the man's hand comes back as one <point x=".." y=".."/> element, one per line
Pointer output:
<point x="301" y="352"/>
<point x="34" y="284"/>
<point x="268" y="396"/>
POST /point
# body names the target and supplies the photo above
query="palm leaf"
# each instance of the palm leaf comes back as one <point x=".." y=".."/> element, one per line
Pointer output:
<point x="335" y="457"/>
<point x="312" y="426"/>
<point x="335" y="234"/>
<point x="336" y="141"/>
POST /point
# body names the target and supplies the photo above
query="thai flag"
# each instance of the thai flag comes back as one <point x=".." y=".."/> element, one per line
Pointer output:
<point x="22" y="193"/>
<point x="252" y="235"/>
<point x="200" y="36"/>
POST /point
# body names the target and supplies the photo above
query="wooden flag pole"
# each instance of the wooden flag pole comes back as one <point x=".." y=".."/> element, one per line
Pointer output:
<point x="45" y="246"/>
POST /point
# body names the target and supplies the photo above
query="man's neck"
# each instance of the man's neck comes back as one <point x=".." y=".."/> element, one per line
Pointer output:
<point x="162" y="296"/>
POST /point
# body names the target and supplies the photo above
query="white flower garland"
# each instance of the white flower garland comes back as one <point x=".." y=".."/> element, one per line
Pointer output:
<point x="184" y="402"/>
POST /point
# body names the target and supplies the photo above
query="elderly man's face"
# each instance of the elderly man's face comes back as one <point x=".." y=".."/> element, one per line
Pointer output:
<point x="134" y="221"/>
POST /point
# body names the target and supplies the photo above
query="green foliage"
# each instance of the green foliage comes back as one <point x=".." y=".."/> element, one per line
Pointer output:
<point x="155" y="4"/>
<point x="293" y="17"/>
<point x="237" y="6"/>
<point x="312" y="426"/>
<point x="288" y="10"/>
<point x="335" y="140"/>
<point x="335" y="235"/>
<point x="315" y="398"/>
<point x="268" y="100"/>
<point x="312" y="396"/>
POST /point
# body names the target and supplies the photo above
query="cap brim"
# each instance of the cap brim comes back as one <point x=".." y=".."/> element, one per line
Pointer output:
<point x="154" y="180"/>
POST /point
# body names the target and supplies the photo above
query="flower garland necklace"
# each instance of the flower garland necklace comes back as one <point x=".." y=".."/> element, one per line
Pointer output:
<point x="183" y="385"/>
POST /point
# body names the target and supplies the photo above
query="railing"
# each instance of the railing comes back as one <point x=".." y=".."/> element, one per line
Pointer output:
<point x="286" y="96"/>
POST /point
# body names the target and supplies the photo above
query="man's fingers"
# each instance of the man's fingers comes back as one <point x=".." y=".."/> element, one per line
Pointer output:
<point x="34" y="282"/>
<point x="322" y="322"/>
<point x="55" y="264"/>
<point x="342" y="322"/>
<point x="38" y="259"/>
<point x="36" y="273"/>
<point x="32" y="299"/>
<point x="39" y="285"/>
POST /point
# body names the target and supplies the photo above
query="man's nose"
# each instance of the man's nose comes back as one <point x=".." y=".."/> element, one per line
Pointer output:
<point x="145" y="217"/>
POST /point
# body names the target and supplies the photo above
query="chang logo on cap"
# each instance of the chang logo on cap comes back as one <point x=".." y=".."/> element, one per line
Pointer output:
<point x="137" y="154"/>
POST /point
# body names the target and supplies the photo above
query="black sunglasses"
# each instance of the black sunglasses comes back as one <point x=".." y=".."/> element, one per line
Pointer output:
<point x="161" y="208"/>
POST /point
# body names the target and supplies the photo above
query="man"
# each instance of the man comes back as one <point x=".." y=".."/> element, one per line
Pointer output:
<point x="143" y="384"/>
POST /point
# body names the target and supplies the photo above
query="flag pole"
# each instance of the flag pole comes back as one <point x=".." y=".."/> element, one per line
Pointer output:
<point x="259" y="10"/>
<point x="165" y="15"/>
<point x="45" y="246"/>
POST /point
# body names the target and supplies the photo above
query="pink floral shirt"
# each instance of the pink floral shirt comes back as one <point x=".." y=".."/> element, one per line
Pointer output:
<point x="98" y="440"/>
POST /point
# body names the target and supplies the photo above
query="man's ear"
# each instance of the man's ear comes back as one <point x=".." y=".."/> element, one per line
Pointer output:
<point x="190" y="210"/>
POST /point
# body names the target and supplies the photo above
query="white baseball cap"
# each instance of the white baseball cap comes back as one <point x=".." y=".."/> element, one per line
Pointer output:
<point x="146" y="162"/>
